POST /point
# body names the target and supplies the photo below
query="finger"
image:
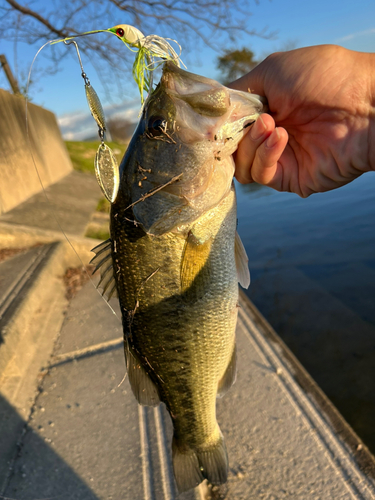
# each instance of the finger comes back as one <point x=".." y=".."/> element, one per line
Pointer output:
<point x="266" y="168"/>
<point x="251" y="82"/>
<point x="244" y="158"/>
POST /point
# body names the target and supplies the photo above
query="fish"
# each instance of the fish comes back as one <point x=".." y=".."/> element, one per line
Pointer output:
<point x="174" y="259"/>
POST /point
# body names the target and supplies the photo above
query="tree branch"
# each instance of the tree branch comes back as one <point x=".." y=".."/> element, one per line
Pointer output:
<point x="212" y="22"/>
<point x="38" y="17"/>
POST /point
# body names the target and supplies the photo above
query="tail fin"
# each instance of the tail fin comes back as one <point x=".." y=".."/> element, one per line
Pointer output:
<point x="191" y="467"/>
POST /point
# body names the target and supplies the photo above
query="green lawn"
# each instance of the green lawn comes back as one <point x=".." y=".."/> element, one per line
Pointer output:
<point x="103" y="205"/>
<point x="98" y="233"/>
<point x="83" y="153"/>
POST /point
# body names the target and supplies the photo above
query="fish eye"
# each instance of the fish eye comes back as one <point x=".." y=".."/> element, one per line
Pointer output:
<point x="120" y="32"/>
<point x="156" y="125"/>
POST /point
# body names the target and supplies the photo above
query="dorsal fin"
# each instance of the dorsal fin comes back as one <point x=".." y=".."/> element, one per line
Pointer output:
<point x="103" y="262"/>
<point x="243" y="273"/>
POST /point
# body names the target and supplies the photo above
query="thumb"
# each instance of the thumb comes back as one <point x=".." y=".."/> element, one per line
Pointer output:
<point x="251" y="82"/>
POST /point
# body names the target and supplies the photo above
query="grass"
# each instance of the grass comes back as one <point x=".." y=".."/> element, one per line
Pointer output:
<point x="97" y="230"/>
<point x="83" y="153"/>
<point x="99" y="233"/>
<point x="103" y="206"/>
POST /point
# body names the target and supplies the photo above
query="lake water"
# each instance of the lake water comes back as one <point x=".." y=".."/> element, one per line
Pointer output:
<point x="312" y="264"/>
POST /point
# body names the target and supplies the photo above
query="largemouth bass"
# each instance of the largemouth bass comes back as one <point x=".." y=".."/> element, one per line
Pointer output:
<point x="174" y="259"/>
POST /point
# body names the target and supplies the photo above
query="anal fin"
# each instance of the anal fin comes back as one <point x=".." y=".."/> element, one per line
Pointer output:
<point x="143" y="387"/>
<point x="229" y="377"/>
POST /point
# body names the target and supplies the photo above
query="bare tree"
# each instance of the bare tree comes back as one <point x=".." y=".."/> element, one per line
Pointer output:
<point x="213" y="22"/>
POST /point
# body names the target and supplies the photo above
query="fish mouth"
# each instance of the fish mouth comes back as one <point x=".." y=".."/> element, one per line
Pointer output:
<point x="205" y="122"/>
<point x="205" y="96"/>
<point x="183" y="82"/>
<point x="180" y="83"/>
<point x="206" y="108"/>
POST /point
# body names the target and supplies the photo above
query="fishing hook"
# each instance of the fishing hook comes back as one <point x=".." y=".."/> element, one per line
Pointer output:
<point x="83" y="74"/>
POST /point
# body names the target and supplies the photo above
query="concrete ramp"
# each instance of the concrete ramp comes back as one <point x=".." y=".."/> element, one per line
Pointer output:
<point x="19" y="179"/>
<point x="86" y="438"/>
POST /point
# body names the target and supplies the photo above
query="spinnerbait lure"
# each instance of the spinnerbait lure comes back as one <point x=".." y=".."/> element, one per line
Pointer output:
<point x="106" y="167"/>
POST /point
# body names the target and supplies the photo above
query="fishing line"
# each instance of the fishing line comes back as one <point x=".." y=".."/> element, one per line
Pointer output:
<point x="106" y="167"/>
<point x="41" y="182"/>
<point x="84" y="76"/>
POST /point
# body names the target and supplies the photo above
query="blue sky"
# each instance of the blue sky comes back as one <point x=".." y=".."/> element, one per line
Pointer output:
<point x="347" y="23"/>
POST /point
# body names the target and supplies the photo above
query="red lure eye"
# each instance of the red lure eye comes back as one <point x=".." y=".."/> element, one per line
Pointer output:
<point x="120" y="32"/>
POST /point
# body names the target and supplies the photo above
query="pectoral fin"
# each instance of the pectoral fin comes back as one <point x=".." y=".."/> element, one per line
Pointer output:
<point x="195" y="272"/>
<point x="243" y="273"/>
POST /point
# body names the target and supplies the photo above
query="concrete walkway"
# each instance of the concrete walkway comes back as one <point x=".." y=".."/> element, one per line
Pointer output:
<point x="86" y="437"/>
<point x="71" y="201"/>
<point x="67" y="205"/>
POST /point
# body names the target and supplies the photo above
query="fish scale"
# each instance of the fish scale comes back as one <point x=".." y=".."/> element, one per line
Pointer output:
<point x="201" y="329"/>
<point x="177" y="260"/>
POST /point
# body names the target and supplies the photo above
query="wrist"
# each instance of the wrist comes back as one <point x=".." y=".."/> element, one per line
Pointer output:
<point x="361" y="98"/>
<point x="371" y="132"/>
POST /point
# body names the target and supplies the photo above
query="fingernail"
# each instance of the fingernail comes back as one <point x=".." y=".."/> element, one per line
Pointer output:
<point x="258" y="129"/>
<point x="273" y="139"/>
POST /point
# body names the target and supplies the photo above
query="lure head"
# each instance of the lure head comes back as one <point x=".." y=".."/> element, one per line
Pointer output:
<point x="128" y="34"/>
<point x="189" y="128"/>
<point x="150" y="52"/>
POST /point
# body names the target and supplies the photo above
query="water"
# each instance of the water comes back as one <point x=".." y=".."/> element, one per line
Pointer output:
<point x="312" y="264"/>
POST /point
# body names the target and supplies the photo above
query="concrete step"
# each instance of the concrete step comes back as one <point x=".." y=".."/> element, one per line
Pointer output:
<point x="32" y="295"/>
<point x="64" y="207"/>
<point x="286" y="439"/>
<point x="67" y="204"/>
<point x="32" y="307"/>
<point x="86" y="437"/>
<point x="29" y="283"/>
<point x="32" y="303"/>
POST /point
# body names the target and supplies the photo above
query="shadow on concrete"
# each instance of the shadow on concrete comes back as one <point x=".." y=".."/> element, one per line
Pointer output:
<point x="37" y="472"/>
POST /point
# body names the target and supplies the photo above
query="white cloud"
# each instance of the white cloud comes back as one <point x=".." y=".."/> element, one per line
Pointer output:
<point x="80" y="125"/>
<point x="370" y="31"/>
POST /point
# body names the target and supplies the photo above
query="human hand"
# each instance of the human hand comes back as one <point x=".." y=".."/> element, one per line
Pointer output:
<point x="317" y="135"/>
